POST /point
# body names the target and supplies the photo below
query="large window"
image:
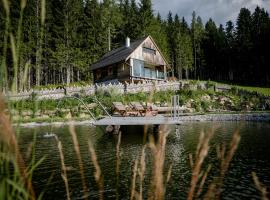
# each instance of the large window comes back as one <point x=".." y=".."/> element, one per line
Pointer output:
<point x="161" y="75"/>
<point x="147" y="72"/>
<point x="140" y="69"/>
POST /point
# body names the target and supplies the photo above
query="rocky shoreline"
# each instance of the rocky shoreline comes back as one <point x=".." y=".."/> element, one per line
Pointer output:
<point x="35" y="124"/>
<point x="255" y="117"/>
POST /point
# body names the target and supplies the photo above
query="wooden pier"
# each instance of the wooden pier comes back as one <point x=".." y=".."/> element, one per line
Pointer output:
<point x="159" y="119"/>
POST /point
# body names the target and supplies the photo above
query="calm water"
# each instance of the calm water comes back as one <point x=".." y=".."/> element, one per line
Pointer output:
<point x="253" y="154"/>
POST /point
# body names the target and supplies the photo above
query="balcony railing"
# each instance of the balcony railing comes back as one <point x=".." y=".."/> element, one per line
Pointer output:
<point x="147" y="73"/>
<point x="141" y="71"/>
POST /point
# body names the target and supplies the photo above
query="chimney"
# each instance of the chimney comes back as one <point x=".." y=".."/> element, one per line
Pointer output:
<point x="127" y="42"/>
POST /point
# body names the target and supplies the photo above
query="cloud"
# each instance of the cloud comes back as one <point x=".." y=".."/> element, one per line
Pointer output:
<point x="220" y="11"/>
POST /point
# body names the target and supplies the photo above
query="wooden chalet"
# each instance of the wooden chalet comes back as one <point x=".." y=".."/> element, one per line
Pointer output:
<point x="134" y="62"/>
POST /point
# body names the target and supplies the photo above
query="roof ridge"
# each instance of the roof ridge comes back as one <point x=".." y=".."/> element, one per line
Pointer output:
<point x="117" y="55"/>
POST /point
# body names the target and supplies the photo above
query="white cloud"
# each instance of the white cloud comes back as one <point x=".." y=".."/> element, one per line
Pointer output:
<point x="219" y="10"/>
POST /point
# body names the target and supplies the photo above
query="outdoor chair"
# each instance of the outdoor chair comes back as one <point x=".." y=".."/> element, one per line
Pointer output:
<point x="137" y="106"/>
<point x="152" y="108"/>
<point x="148" y="110"/>
<point x="123" y="110"/>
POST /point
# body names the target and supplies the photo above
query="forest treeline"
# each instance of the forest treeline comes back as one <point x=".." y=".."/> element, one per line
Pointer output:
<point x="56" y="41"/>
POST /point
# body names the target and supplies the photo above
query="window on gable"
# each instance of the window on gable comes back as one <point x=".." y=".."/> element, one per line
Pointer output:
<point x="149" y="50"/>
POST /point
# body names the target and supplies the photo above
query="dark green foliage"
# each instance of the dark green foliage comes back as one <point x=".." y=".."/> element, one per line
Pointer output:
<point x="75" y="34"/>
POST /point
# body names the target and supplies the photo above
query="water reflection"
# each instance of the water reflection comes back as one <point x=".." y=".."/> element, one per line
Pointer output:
<point x="252" y="155"/>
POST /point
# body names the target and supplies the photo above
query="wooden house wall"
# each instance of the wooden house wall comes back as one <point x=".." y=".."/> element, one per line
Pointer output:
<point x="120" y="71"/>
<point x="154" y="59"/>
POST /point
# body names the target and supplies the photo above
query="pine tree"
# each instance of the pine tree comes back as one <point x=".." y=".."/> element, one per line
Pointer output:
<point x="197" y="35"/>
<point x="158" y="32"/>
<point x="186" y="53"/>
<point x="4" y="30"/>
<point x="210" y="49"/>
<point x="171" y="42"/>
<point x="260" y="38"/>
<point x="230" y="45"/>
<point x="244" y="43"/>
<point x="177" y="39"/>
<point x="146" y="16"/>
<point x="67" y="16"/>
<point x="93" y="30"/>
<point x="130" y="20"/>
<point x="184" y="26"/>
<point x="183" y="47"/>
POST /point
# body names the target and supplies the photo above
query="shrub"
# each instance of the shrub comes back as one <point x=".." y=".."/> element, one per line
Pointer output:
<point x="210" y="85"/>
<point x="205" y="105"/>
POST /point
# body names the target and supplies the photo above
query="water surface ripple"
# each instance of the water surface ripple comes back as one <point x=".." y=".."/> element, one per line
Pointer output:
<point x="252" y="155"/>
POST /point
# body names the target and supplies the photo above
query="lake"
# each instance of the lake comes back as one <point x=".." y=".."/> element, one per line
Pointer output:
<point x="253" y="154"/>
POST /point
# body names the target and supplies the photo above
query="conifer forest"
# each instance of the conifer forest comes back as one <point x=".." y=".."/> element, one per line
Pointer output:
<point x="56" y="41"/>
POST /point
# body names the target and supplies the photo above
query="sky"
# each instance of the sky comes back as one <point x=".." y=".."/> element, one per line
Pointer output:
<point x="220" y="11"/>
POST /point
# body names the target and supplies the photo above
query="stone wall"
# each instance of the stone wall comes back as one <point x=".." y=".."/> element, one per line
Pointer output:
<point x="127" y="88"/>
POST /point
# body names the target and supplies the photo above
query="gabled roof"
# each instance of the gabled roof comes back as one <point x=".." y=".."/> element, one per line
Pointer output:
<point x="117" y="55"/>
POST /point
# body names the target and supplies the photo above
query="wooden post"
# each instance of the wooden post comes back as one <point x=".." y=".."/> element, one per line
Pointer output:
<point x="165" y="73"/>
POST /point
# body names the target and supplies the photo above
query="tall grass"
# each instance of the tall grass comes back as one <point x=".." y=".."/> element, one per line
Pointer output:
<point x="18" y="183"/>
<point x="78" y="154"/>
<point x="63" y="167"/>
<point x="16" y="176"/>
<point x="201" y="153"/>
<point x="118" y="162"/>
<point x="260" y="186"/>
<point x="98" y="175"/>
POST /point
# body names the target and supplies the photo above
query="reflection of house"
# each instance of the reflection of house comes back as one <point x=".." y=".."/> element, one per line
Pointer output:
<point x="136" y="61"/>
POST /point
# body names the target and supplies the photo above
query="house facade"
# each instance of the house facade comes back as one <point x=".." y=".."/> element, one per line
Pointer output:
<point x="134" y="62"/>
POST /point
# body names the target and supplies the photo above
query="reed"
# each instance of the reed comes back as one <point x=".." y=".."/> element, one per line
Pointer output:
<point x="141" y="172"/>
<point x="97" y="175"/>
<point x="260" y="186"/>
<point x="118" y="161"/>
<point x="157" y="190"/>
<point x="18" y="182"/>
<point x="63" y="167"/>
<point x="225" y="156"/>
<point x="201" y="185"/>
<point x="201" y="153"/>
<point x="133" y="182"/>
<point x="78" y="154"/>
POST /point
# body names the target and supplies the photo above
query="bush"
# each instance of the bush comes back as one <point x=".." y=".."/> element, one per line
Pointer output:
<point x="210" y="85"/>
<point x="205" y="105"/>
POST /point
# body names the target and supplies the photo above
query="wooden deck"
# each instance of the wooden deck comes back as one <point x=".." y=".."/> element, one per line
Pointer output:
<point x="159" y="119"/>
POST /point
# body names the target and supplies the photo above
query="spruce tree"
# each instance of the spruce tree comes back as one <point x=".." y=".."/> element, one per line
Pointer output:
<point x="197" y="32"/>
<point x="145" y="16"/>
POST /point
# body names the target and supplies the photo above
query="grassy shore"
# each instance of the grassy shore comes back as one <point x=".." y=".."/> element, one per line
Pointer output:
<point x="193" y="101"/>
<point x="260" y="90"/>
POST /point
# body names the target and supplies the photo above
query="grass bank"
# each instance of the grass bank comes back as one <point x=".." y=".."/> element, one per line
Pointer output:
<point x="193" y="101"/>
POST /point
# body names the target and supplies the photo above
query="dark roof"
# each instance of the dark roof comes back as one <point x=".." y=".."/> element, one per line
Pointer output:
<point x="117" y="55"/>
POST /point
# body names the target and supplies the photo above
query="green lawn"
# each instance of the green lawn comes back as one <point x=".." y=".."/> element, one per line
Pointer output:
<point x="261" y="90"/>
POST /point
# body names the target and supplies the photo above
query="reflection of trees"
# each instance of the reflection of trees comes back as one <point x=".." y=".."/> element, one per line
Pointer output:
<point x="131" y="146"/>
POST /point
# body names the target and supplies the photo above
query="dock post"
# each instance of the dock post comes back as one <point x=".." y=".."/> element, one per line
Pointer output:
<point x="175" y="107"/>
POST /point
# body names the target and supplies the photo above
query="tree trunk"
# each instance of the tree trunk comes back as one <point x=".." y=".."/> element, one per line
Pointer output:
<point x="68" y="74"/>
<point x="38" y="45"/>
<point x="78" y="76"/>
<point x="186" y="74"/>
<point x="180" y="75"/>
